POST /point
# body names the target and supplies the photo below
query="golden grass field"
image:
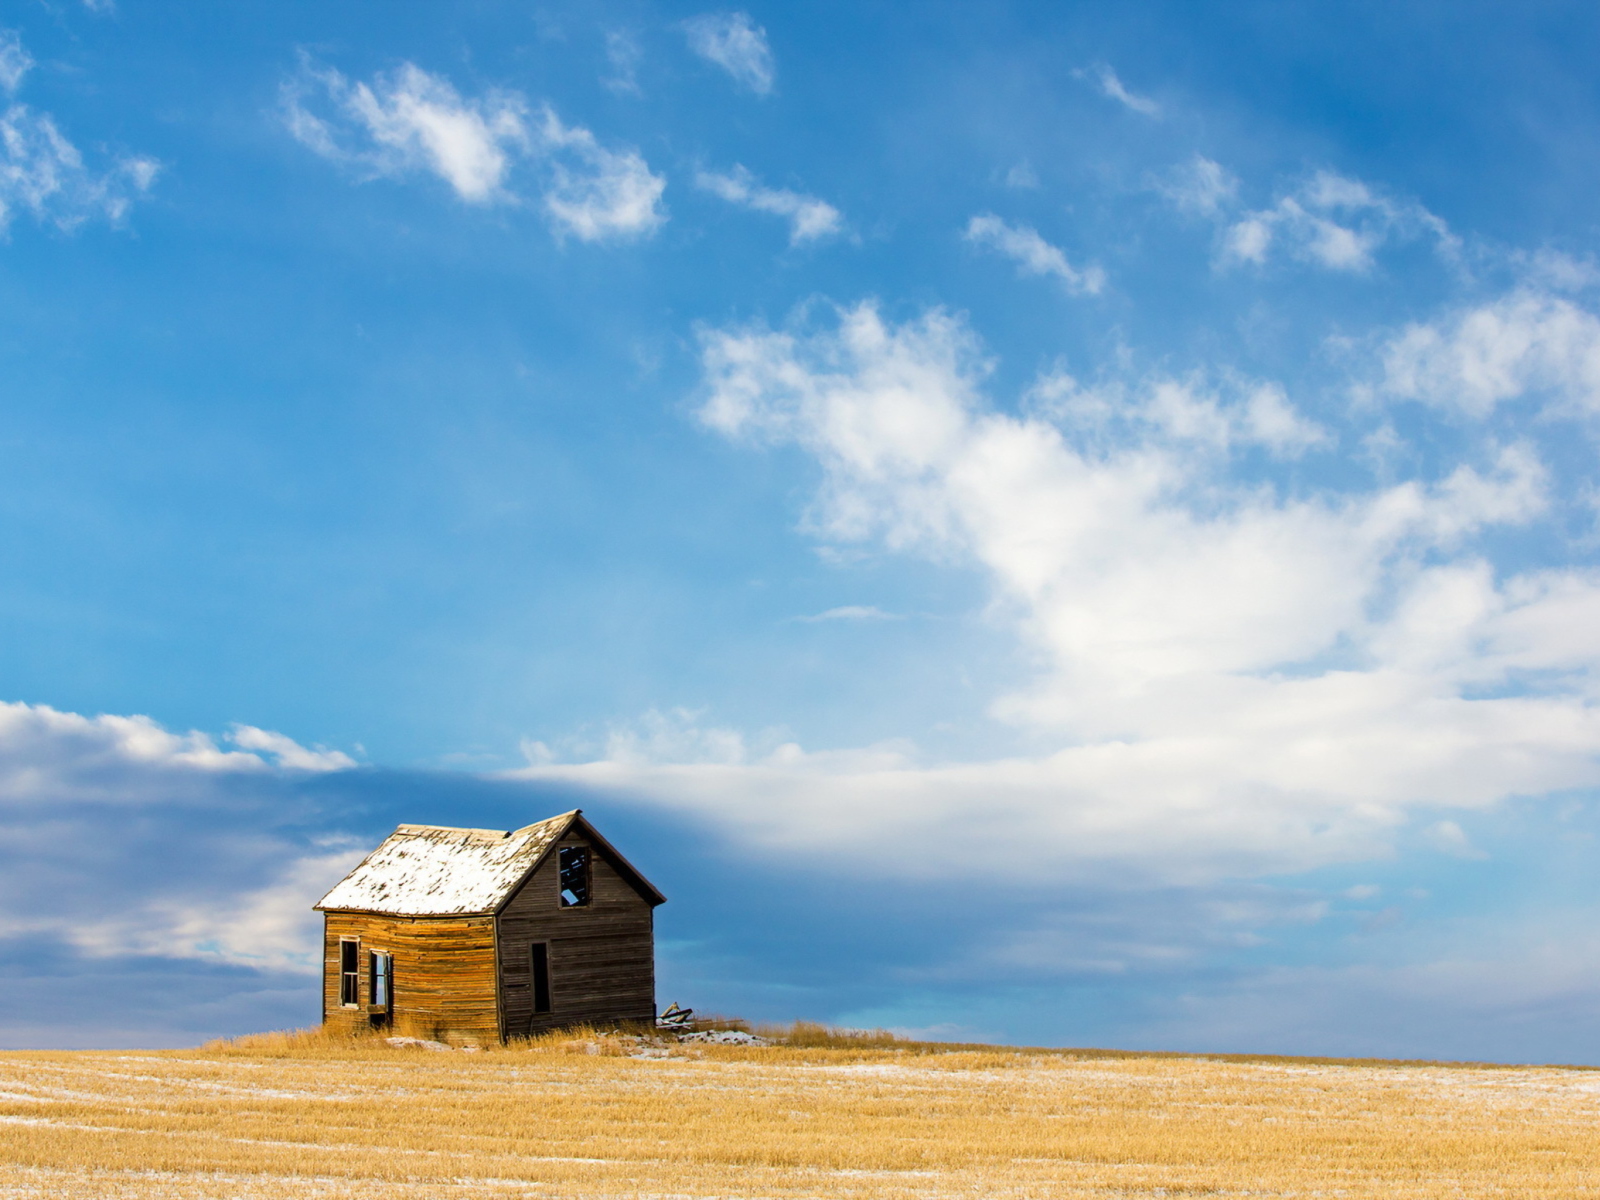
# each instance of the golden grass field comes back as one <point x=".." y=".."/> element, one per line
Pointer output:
<point x="584" y="1115"/>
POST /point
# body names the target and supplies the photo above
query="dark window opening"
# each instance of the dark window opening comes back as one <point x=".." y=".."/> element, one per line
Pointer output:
<point x="349" y="972"/>
<point x="574" y="876"/>
<point x="541" y="977"/>
<point x="382" y="977"/>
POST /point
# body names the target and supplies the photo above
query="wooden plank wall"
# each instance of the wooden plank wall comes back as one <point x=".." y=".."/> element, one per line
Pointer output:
<point x="602" y="956"/>
<point x="444" y="975"/>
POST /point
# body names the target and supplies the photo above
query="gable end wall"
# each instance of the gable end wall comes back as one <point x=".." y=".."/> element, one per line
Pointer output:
<point x="602" y="956"/>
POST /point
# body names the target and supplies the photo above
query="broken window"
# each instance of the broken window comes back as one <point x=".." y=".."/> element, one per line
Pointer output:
<point x="350" y="971"/>
<point x="541" y="976"/>
<point x="382" y="974"/>
<point x="574" y="876"/>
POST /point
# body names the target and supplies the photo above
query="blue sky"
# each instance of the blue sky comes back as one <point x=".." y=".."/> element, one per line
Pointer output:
<point x="1071" y="525"/>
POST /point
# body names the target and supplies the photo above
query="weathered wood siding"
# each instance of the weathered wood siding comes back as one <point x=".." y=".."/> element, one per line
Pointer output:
<point x="444" y="974"/>
<point x="602" y="955"/>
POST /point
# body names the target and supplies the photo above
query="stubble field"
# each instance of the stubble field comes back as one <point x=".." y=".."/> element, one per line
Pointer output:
<point x="586" y="1116"/>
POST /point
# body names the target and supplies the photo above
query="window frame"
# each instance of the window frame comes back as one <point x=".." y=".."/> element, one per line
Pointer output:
<point x="349" y="980"/>
<point x="375" y="976"/>
<point x="588" y="876"/>
<point x="539" y="978"/>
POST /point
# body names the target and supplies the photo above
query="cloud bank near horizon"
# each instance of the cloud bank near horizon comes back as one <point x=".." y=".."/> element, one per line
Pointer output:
<point x="124" y="838"/>
<point x="200" y="857"/>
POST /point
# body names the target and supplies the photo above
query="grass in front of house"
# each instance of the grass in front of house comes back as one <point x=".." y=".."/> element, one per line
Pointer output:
<point x="822" y="1114"/>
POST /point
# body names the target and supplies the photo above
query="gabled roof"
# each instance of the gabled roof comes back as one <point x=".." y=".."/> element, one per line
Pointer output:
<point x="434" y="871"/>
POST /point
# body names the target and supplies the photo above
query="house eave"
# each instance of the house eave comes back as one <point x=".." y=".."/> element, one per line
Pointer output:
<point x="399" y="916"/>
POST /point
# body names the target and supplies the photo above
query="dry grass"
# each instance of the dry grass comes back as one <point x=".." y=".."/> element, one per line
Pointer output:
<point x="584" y="1114"/>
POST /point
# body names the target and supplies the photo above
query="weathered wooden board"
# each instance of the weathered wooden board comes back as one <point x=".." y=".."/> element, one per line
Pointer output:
<point x="602" y="955"/>
<point x="444" y="974"/>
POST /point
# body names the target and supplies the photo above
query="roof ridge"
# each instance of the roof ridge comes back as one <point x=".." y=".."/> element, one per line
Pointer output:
<point x="574" y="812"/>
<point x="417" y="828"/>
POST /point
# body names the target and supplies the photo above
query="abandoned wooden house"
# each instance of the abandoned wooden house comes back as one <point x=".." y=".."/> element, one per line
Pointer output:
<point x="473" y="935"/>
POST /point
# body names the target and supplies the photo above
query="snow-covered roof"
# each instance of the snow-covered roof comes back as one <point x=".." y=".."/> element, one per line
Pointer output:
<point x="434" y="871"/>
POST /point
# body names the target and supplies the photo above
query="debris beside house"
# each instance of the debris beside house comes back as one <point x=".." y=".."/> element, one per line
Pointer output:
<point x="676" y="1018"/>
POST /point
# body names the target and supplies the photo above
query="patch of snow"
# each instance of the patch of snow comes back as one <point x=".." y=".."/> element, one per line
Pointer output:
<point x="726" y="1037"/>
<point x="430" y="870"/>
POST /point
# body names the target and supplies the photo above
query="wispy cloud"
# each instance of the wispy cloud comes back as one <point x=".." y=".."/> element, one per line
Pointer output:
<point x="407" y="121"/>
<point x="1032" y="254"/>
<point x="852" y="612"/>
<point x="1333" y="221"/>
<point x="1526" y="343"/>
<point x="624" y="53"/>
<point x="15" y="62"/>
<point x="809" y="218"/>
<point x="736" y="44"/>
<point x="1547" y="268"/>
<point x="1196" y="412"/>
<point x="1113" y="88"/>
<point x="44" y="174"/>
<point x="411" y="121"/>
<point x="1449" y="838"/>
<point x="1200" y="186"/>
<point x="288" y="754"/>
<point x="1022" y="175"/>
<point x="595" y="193"/>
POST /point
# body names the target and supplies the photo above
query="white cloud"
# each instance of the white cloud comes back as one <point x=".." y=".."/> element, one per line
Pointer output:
<point x="1449" y="838"/>
<point x="1022" y="175"/>
<point x="289" y="754"/>
<point x="598" y="194"/>
<point x="1272" y="422"/>
<point x="15" y="62"/>
<point x="1200" y="186"/>
<point x="623" y="53"/>
<point x="736" y="44"/>
<point x="1032" y="254"/>
<point x="410" y="121"/>
<point x="48" y="755"/>
<point x="1333" y="221"/>
<point x="43" y="173"/>
<point x="1559" y="272"/>
<point x="269" y="926"/>
<point x="1194" y="411"/>
<point x="853" y="612"/>
<point x="121" y="837"/>
<point x="1113" y="88"/>
<point x="676" y="736"/>
<point x="1234" y="681"/>
<point x="1482" y="357"/>
<point x="809" y="218"/>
